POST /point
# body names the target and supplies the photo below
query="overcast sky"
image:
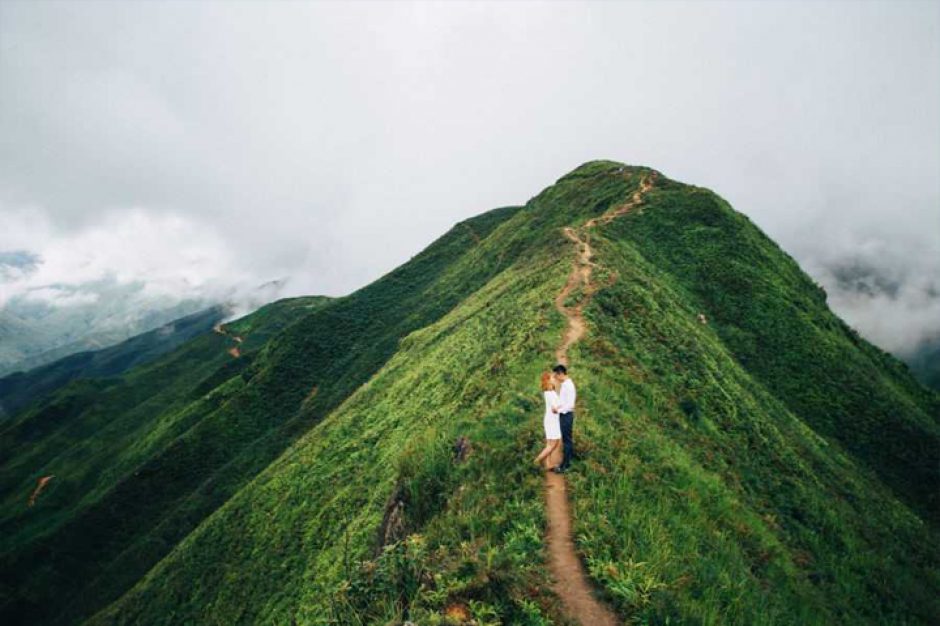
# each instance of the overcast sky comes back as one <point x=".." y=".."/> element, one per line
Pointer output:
<point x="201" y="146"/>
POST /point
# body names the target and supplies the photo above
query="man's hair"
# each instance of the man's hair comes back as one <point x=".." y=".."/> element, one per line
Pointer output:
<point x="560" y="369"/>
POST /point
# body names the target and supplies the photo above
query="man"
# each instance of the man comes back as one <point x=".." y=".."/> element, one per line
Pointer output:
<point x="565" y="410"/>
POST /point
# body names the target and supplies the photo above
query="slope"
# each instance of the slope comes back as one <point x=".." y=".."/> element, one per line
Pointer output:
<point x="774" y="320"/>
<point x="91" y="434"/>
<point x="235" y="422"/>
<point x="699" y="495"/>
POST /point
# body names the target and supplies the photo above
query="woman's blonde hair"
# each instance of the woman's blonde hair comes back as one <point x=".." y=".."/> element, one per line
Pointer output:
<point x="547" y="381"/>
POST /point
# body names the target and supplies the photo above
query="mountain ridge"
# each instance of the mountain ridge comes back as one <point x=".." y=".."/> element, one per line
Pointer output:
<point x="703" y="490"/>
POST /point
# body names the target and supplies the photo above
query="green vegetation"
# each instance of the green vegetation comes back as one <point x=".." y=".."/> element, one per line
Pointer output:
<point x="728" y="471"/>
<point x="233" y="423"/>
<point x="97" y="437"/>
<point x="774" y="321"/>
<point x="703" y="498"/>
<point x="471" y="530"/>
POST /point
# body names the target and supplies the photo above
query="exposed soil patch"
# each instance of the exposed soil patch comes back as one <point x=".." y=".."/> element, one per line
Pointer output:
<point x="234" y="350"/>
<point x="40" y="485"/>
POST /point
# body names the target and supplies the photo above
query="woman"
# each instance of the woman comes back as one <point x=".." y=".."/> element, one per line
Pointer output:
<point x="551" y="423"/>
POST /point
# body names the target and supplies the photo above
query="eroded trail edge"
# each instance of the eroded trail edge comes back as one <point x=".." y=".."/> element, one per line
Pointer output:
<point x="571" y="583"/>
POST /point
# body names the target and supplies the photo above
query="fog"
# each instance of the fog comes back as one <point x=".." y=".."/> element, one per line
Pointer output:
<point x="201" y="149"/>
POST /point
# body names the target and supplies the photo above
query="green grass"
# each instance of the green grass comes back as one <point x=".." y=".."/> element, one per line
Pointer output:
<point x="774" y="321"/>
<point x="95" y="551"/>
<point x="727" y="473"/>
<point x="704" y="499"/>
<point x="96" y="436"/>
<point x="470" y="531"/>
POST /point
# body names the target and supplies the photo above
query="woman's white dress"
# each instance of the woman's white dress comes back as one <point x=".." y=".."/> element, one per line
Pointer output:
<point x="552" y="425"/>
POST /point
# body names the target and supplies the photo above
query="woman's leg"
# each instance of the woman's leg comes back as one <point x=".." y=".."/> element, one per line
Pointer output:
<point x="555" y="457"/>
<point x="550" y="446"/>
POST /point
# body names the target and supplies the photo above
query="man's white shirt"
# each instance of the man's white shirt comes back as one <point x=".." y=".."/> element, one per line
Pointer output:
<point x="566" y="397"/>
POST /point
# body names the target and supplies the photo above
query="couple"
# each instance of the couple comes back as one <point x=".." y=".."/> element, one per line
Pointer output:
<point x="558" y="420"/>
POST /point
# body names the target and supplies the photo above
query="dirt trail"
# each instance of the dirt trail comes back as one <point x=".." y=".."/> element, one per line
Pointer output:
<point x="582" y="267"/>
<point x="571" y="581"/>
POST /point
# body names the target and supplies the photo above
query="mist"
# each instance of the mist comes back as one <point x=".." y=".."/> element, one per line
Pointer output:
<point x="202" y="149"/>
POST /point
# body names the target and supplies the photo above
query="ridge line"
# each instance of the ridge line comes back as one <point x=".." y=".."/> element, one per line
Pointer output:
<point x="571" y="582"/>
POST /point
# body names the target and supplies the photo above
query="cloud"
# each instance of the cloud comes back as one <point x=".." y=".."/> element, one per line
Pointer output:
<point x="163" y="256"/>
<point x="16" y="264"/>
<point x="899" y="323"/>
<point x="62" y="296"/>
<point x="884" y="284"/>
<point x="329" y="142"/>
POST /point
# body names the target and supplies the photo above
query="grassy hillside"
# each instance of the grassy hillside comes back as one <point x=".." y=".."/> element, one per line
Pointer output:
<point x="706" y="498"/>
<point x="96" y="436"/>
<point x="774" y="321"/>
<point x="728" y="472"/>
<point x="308" y="520"/>
<point x="233" y="423"/>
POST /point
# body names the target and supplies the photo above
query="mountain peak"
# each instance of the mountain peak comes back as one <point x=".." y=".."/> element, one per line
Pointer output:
<point x="742" y="456"/>
<point x="602" y="166"/>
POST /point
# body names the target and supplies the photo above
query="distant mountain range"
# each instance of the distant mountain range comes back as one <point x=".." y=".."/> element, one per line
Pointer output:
<point x="33" y="333"/>
<point x="744" y="456"/>
<point x="17" y="390"/>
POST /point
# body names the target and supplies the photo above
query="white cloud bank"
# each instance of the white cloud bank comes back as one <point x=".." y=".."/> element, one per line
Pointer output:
<point x="170" y="256"/>
<point x="200" y="147"/>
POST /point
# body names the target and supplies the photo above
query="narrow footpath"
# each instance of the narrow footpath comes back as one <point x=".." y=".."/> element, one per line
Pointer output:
<point x="571" y="582"/>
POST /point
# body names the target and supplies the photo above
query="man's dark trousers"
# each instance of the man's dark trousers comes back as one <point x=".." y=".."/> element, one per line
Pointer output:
<point x="567" y="422"/>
